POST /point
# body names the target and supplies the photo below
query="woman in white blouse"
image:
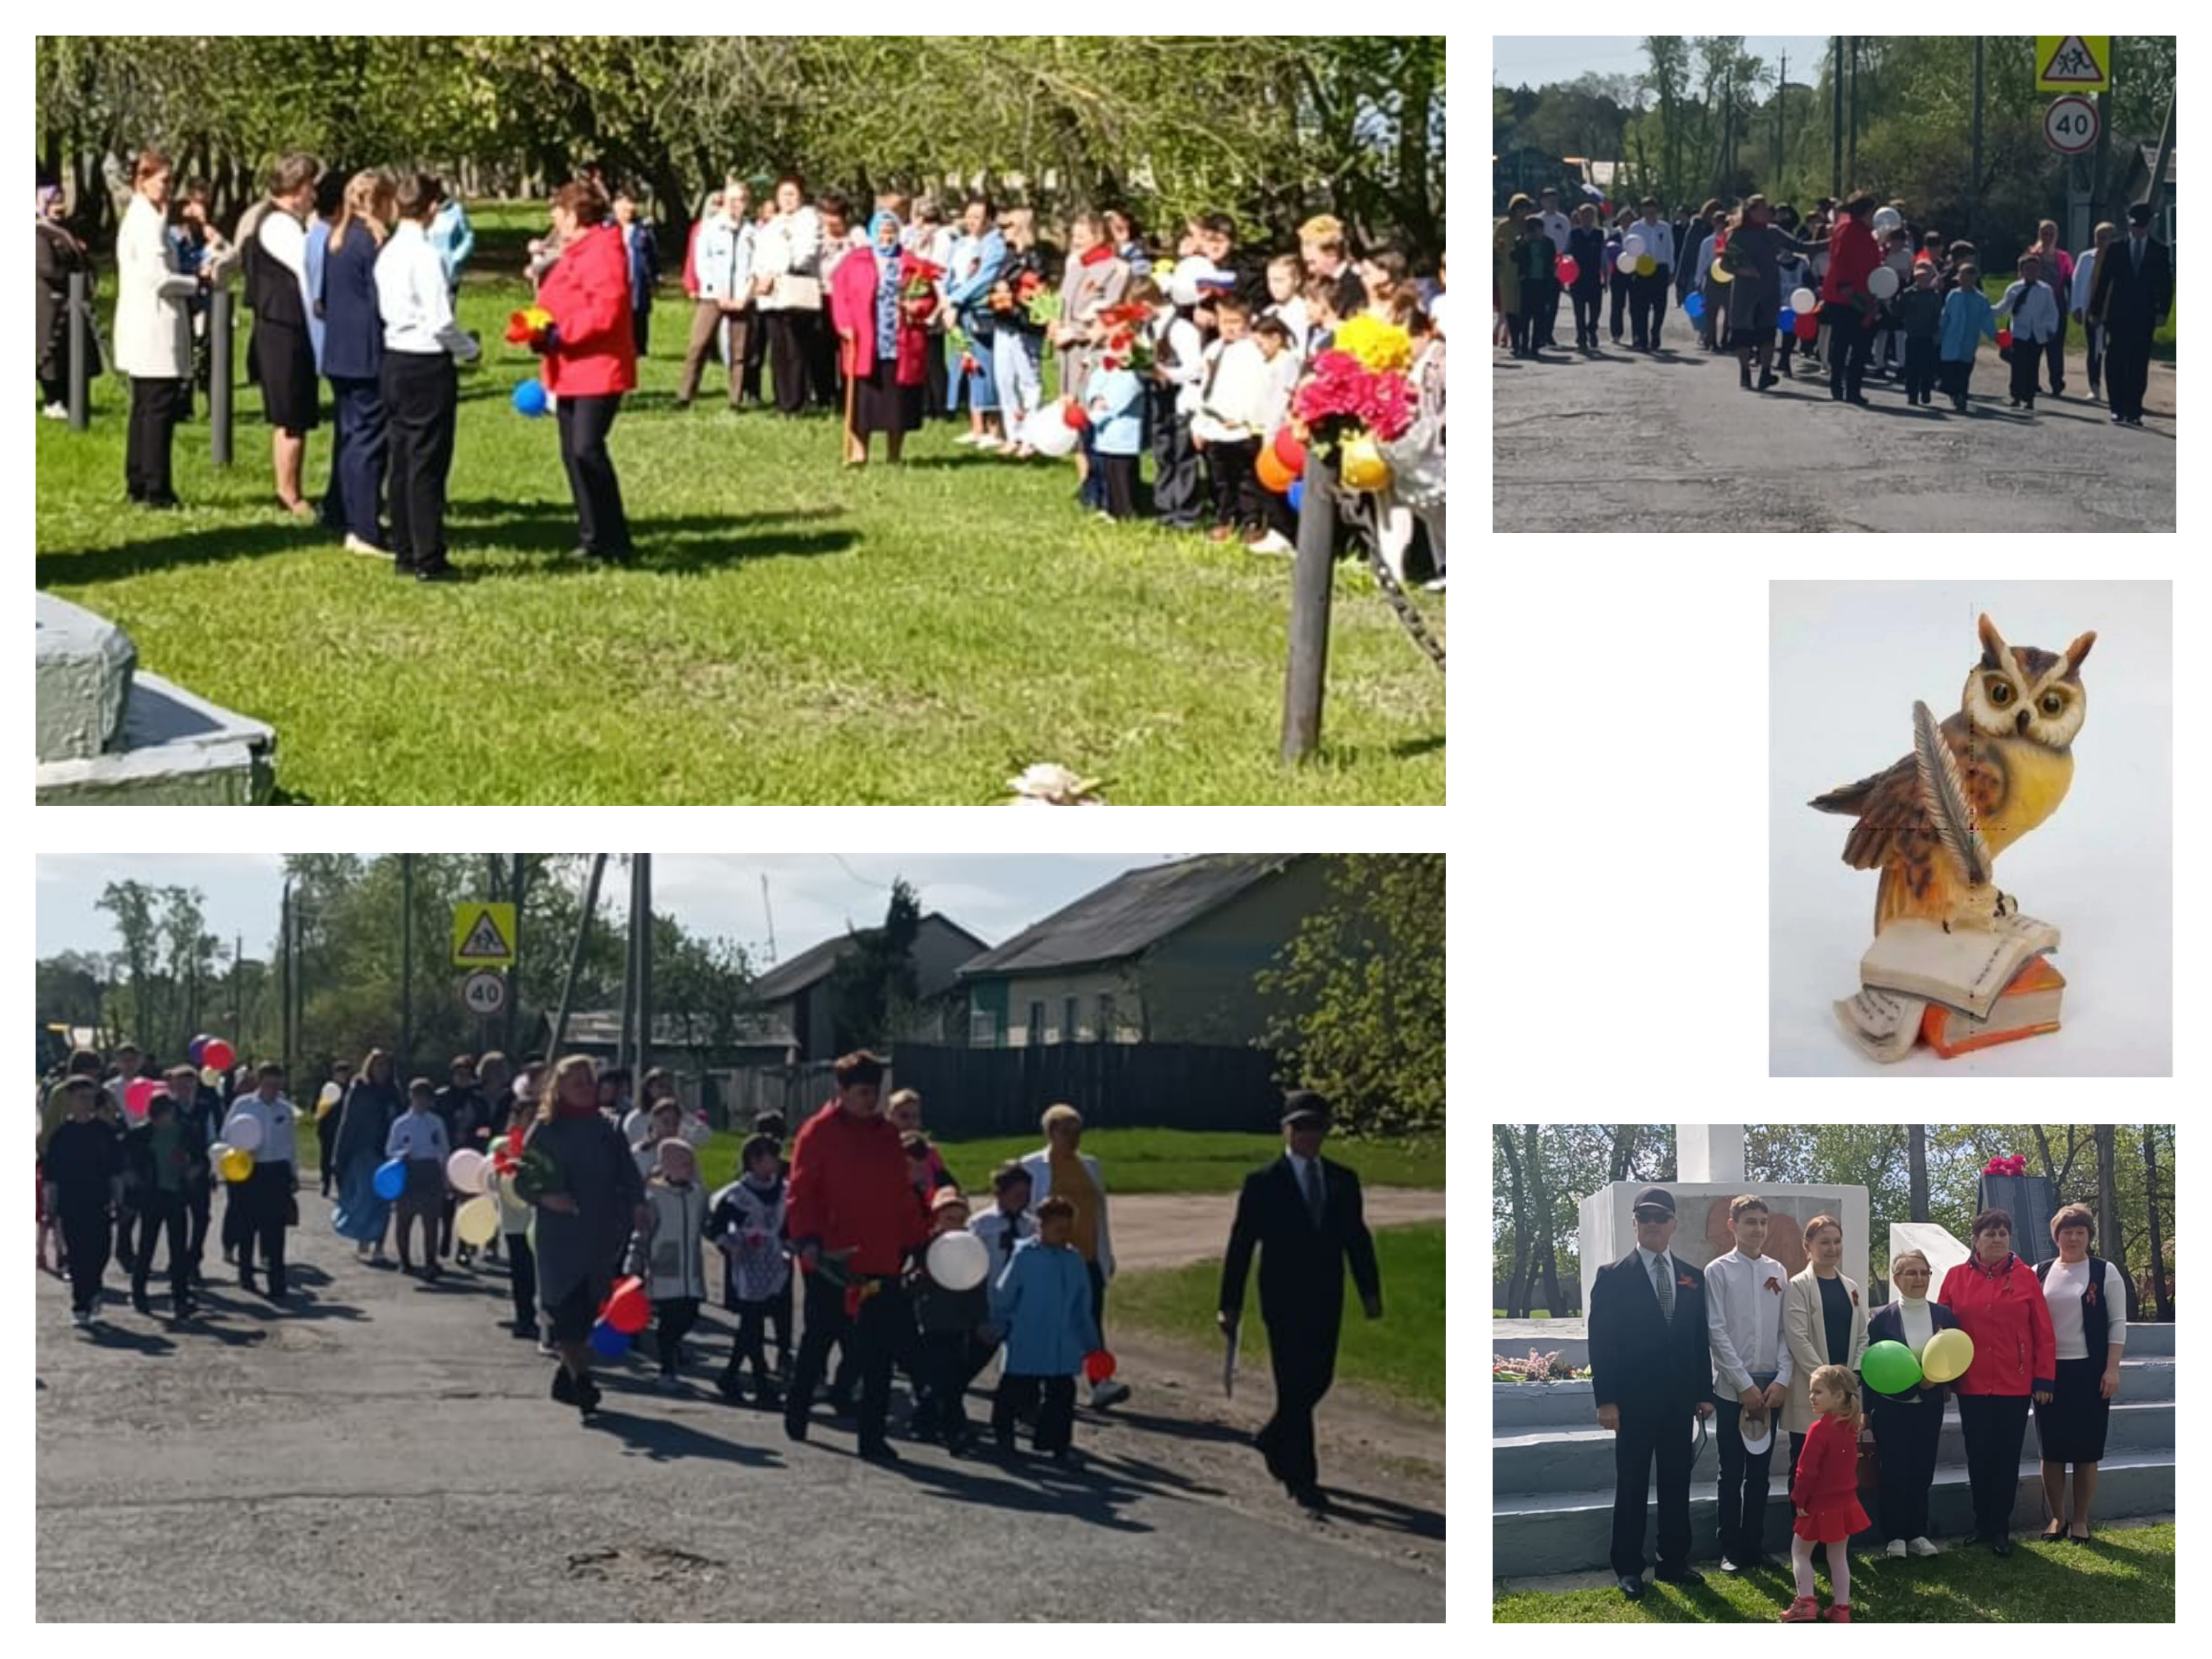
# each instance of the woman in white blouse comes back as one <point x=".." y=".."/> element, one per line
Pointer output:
<point x="153" y="331"/>
<point x="420" y="386"/>
<point x="788" y="277"/>
<point x="2089" y="1317"/>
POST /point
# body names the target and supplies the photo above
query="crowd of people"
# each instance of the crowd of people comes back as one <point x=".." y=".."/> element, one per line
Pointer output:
<point x="1857" y="288"/>
<point x="599" y="1195"/>
<point x="1745" y="1343"/>
<point x="923" y="310"/>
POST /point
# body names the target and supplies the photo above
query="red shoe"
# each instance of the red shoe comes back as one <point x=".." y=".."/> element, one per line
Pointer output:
<point x="1838" y="1614"/>
<point x="1802" y="1611"/>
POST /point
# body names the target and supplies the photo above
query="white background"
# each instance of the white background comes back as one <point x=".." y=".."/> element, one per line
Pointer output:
<point x="1847" y="660"/>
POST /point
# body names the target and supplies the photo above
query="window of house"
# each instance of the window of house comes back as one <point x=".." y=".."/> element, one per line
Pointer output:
<point x="982" y="1028"/>
<point x="1109" y="1024"/>
<point x="1069" y="1020"/>
<point x="1036" y="1032"/>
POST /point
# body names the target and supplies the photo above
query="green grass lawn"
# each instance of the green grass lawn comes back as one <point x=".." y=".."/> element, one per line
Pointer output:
<point x="2162" y="340"/>
<point x="791" y="632"/>
<point x="1401" y="1354"/>
<point x="2124" y="1575"/>
<point x="1157" y="1160"/>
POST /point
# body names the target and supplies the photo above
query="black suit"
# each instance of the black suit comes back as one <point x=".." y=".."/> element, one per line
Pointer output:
<point x="1302" y="1264"/>
<point x="2131" y="303"/>
<point x="1655" y="1372"/>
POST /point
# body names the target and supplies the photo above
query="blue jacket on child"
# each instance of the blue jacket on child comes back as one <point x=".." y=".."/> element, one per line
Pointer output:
<point x="1115" y="400"/>
<point x="1966" y="314"/>
<point x="1043" y="1302"/>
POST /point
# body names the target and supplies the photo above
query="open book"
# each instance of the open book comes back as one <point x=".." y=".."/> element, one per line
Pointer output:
<point x="1913" y="963"/>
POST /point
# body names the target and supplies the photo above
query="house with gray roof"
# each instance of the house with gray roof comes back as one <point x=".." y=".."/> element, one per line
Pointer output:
<point x="795" y="993"/>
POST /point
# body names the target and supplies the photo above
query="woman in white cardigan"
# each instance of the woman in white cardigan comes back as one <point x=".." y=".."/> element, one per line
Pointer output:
<point x="788" y="280"/>
<point x="1823" y="1320"/>
<point x="153" y="331"/>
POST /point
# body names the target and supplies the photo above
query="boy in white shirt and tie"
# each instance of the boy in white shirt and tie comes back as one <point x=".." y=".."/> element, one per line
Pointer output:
<point x="1751" y="1377"/>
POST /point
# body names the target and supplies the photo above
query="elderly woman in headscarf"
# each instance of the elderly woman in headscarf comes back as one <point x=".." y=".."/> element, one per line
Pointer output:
<point x="60" y="255"/>
<point x="1505" y="280"/>
<point x="883" y="334"/>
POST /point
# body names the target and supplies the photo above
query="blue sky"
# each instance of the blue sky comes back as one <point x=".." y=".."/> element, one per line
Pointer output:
<point x="813" y="896"/>
<point x="1538" y="58"/>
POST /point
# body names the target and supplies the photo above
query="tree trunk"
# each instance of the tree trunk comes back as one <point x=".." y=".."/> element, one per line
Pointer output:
<point x="1625" y="1137"/>
<point x="1545" y="1269"/>
<point x="1416" y="206"/>
<point x="2108" y="1219"/>
<point x="2157" y="1245"/>
<point x="1517" y="1277"/>
<point x="1916" y="1147"/>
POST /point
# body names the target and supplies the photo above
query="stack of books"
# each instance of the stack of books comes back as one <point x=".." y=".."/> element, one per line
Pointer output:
<point x="1969" y="988"/>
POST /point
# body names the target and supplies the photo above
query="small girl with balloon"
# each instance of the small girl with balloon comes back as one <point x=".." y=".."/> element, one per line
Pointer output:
<point x="952" y="1303"/>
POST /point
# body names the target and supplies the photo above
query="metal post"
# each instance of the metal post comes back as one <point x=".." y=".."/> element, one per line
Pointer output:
<point x="2097" y="183"/>
<point x="1854" y="168"/>
<point x="576" y="955"/>
<point x="644" y="965"/>
<point x="1974" y="179"/>
<point x="284" y="982"/>
<point x="1835" y="116"/>
<point x="406" y="1067"/>
<point x="514" y="975"/>
<point x="623" y="1044"/>
<point x="80" y="351"/>
<point x="1781" y="99"/>
<point x="1311" y="578"/>
<point x="219" y="374"/>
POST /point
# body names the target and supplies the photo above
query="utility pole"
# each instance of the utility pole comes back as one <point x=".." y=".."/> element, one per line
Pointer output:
<point x="645" y="964"/>
<point x="1781" y="98"/>
<point x="238" y="988"/>
<point x="1854" y="168"/>
<point x="406" y="1067"/>
<point x="1974" y="179"/>
<point x="1836" y="103"/>
<point x="287" y="969"/>
<point x="583" y="918"/>
<point x="625" y="1044"/>
<point x="515" y="894"/>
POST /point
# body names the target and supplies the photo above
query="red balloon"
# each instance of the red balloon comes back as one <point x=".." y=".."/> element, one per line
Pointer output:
<point x="1808" y="326"/>
<point x="1075" y="415"/>
<point x="1097" y="1365"/>
<point x="2004" y="337"/>
<point x="1290" y="451"/>
<point x="627" y="1310"/>
<point x="219" y="1055"/>
<point x="137" y="1092"/>
<point x="1567" y="269"/>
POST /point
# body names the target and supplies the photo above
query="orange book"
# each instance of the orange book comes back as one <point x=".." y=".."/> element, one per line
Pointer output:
<point x="2026" y="1007"/>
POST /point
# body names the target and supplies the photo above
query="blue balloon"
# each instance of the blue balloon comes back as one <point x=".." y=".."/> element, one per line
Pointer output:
<point x="607" y="1342"/>
<point x="1295" y="495"/>
<point x="198" y="1050"/>
<point x="391" y="1179"/>
<point x="1695" y="306"/>
<point x="530" y="398"/>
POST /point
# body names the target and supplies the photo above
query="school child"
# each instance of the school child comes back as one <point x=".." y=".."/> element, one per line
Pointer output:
<point x="1043" y="1302"/>
<point x="2034" y="313"/>
<point x="83" y="1173"/>
<point x="162" y="1163"/>
<point x="1178" y="362"/>
<point x="1114" y="399"/>
<point x="1586" y="247"/>
<point x="1001" y="1227"/>
<point x="772" y="1125"/>
<point x="1616" y="279"/>
<point x="521" y="1259"/>
<point x="1232" y="410"/>
<point x="745" y="1222"/>
<point x="1278" y="526"/>
<point x="1322" y="317"/>
<point x="675" y="1262"/>
<point x="1888" y="359"/>
<point x="1533" y="259"/>
<point x="418" y="1135"/>
<point x="949" y="1320"/>
<point x="1286" y="301"/>
<point x="1967" y="316"/>
<point x="1920" y="310"/>
<point x="663" y="1120"/>
<point x="1825" y="1492"/>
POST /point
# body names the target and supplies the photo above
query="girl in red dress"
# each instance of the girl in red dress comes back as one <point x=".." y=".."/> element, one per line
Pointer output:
<point x="1826" y="1495"/>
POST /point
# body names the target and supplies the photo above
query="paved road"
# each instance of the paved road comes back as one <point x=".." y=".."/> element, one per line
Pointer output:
<point x="386" y="1451"/>
<point x="1672" y="443"/>
<point x="1169" y="1229"/>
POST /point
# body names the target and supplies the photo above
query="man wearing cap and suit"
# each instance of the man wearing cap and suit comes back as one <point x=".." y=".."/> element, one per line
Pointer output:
<point x="2130" y="295"/>
<point x="1650" y="1376"/>
<point x="1303" y="1213"/>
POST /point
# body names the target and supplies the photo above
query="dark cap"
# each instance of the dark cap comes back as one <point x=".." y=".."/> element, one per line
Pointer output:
<point x="1657" y="1198"/>
<point x="2139" y="214"/>
<point x="1304" y="1106"/>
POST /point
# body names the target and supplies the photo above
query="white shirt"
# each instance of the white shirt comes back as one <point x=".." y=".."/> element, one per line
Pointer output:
<point x="1658" y="240"/>
<point x="1743" y="1319"/>
<point x="2034" y="313"/>
<point x="2061" y="1292"/>
<point x="284" y="240"/>
<point x="412" y="299"/>
<point x="2085" y="263"/>
<point x="1650" y="1276"/>
<point x="1556" y="226"/>
<point x="1298" y="1166"/>
<point x="275" y="1118"/>
<point x="417" y="1135"/>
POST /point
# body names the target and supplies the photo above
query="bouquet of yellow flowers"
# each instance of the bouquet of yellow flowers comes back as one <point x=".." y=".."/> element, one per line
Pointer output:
<point x="1380" y="346"/>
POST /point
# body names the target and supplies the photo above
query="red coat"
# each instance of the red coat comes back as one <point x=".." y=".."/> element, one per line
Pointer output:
<point x="2014" y="1350"/>
<point x="849" y="1187"/>
<point x="1852" y="255"/>
<point x="853" y="295"/>
<point x="691" y="259"/>
<point x="588" y="292"/>
<point x="1828" y="1468"/>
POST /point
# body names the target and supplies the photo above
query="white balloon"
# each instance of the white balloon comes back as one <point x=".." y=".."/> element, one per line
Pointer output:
<point x="959" y="1262"/>
<point x="1803" y="301"/>
<point x="1049" y="433"/>
<point x="1888" y="219"/>
<point x="243" y="1132"/>
<point x="1631" y="246"/>
<point x="1883" y="283"/>
<point x="465" y="1170"/>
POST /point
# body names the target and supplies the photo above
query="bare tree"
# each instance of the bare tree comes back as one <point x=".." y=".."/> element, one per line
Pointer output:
<point x="1625" y="1137"/>
<point x="2157" y="1287"/>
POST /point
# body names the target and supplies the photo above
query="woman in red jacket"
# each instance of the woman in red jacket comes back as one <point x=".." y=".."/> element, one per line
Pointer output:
<point x="591" y="360"/>
<point x="1999" y="1303"/>
<point x="1846" y="307"/>
<point x="883" y="339"/>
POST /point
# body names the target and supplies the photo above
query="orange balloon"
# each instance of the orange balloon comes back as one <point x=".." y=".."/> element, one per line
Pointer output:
<point x="1273" y="473"/>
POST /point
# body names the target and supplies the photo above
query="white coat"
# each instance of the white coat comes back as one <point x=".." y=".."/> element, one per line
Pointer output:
<point x="1039" y="1164"/>
<point x="152" y="318"/>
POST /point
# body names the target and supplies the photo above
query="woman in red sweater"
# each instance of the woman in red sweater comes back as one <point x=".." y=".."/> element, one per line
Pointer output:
<point x="1846" y="307"/>
<point x="1826" y="1494"/>
<point x="883" y="339"/>
<point x="1999" y="1303"/>
<point x="591" y="360"/>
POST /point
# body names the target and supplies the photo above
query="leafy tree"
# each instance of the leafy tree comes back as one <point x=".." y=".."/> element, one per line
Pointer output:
<point x="873" y="990"/>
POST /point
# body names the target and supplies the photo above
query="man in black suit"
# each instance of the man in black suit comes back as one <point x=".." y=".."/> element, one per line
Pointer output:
<point x="1305" y="1211"/>
<point x="2130" y="291"/>
<point x="1650" y="1374"/>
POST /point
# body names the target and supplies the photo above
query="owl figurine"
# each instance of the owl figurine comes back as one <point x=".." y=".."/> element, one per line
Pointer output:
<point x="1935" y="822"/>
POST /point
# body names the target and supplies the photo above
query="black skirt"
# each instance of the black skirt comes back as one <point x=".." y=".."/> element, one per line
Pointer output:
<point x="880" y="403"/>
<point x="2071" y="1428"/>
<point x="284" y="363"/>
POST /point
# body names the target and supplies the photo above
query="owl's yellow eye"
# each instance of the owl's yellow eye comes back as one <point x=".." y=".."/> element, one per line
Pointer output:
<point x="2052" y="702"/>
<point x="2000" y="692"/>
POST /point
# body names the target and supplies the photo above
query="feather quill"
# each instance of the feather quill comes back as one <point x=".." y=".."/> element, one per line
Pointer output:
<point x="1943" y="798"/>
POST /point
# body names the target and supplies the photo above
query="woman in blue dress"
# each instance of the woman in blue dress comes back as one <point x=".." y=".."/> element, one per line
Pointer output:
<point x="370" y="1106"/>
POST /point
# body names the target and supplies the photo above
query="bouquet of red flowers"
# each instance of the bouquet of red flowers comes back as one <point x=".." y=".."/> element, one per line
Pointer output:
<point x="1343" y="398"/>
<point x="2015" y="1165"/>
<point x="918" y="278"/>
<point x="1126" y="344"/>
<point x="531" y="327"/>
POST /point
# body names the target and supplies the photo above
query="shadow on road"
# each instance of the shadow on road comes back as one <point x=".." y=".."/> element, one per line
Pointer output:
<point x="1090" y="1493"/>
<point x="1364" y="1509"/>
<point x="660" y="1440"/>
<point x="152" y="1344"/>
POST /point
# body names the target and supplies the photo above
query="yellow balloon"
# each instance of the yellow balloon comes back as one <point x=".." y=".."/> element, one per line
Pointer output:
<point x="476" y="1222"/>
<point x="1719" y="273"/>
<point x="237" y="1164"/>
<point x="1946" y="1356"/>
<point x="1362" y="466"/>
<point x="1645" y="264"/>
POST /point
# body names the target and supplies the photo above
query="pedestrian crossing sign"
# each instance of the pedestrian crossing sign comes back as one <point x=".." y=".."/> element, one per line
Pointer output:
<point x="2073" y="63"/>
<point x="484" y="935"/>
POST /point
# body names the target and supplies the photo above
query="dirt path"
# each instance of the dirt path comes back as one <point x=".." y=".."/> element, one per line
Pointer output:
<point x="1168" y="1230"/>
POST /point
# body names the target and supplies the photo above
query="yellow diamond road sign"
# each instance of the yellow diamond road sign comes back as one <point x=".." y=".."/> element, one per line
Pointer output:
<point x="484" y="935"/>
<point x="2073" y="63"/>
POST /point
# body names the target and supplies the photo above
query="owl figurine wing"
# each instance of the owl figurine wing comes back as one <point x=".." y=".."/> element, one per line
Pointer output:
<point x="1897" y="834"/>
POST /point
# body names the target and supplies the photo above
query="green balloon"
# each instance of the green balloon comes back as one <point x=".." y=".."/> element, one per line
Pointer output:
<point x="1890" y="1368"/>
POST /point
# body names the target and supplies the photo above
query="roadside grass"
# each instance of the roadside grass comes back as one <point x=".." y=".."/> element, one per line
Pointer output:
<point x="2122" y="1576"/>
<point x="792" y="632"/>
<point x="1401" y="1354"/>
<point x="2162" y="340"/>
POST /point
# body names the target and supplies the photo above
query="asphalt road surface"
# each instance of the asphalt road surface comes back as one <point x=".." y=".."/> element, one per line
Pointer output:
<point x="384" y="1449"/>
<point x="1671" y="443"/>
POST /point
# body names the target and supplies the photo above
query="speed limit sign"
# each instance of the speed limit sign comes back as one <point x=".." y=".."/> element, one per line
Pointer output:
<point x="2069" y="125"/>
<point x="484" y="994"/>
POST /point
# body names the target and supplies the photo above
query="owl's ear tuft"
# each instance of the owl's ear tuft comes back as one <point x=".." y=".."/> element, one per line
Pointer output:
<point x="2077" y="651"/>
<point x="1993" y="646"/>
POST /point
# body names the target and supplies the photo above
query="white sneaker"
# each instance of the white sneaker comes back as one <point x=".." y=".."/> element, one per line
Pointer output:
<point x="370" y="550"/>
<point x="1896" y="1548"/>
<point x="55" y="411"/>
<point x="1434" y="585"/>
<point x="966" y="438"/>
<point x="989" y="442"/>
<point x="1273" y="543"/>
<point x="1922" y="1546"/>
<point x="1111" y="1392"/>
